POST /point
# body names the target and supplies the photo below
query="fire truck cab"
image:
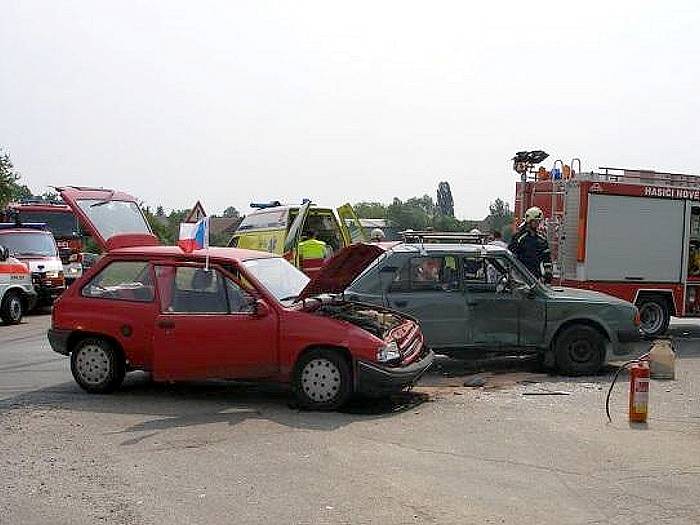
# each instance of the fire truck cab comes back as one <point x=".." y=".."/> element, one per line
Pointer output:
<point x="633" y="234"/>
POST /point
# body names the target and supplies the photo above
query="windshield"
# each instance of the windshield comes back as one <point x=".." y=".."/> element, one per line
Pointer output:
<point x="281" y="279"/>
<point x="29" y="244"/>
<point x="61" y="224"/>
<point x="114" y="217"/>
<point x="265" y="219"/>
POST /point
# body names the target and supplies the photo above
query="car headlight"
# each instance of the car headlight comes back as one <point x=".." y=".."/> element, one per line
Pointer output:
<point x="388" y="352"/>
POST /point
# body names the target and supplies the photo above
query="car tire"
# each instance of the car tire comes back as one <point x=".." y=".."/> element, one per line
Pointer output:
<point x="322" y="380"/>
<point x="579" y="350"/>
<point x="655" y="316"/>
<point x="12" y="308"/>
<point x="97" y="366"/>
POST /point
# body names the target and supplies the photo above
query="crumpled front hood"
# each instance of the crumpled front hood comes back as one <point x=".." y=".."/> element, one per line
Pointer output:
<point x="342" y="269"/>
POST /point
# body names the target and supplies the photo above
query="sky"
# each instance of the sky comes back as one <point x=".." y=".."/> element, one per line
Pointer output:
<point x="232" y="102"/>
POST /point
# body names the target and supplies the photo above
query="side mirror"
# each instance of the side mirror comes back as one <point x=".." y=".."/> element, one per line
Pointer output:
<point x="386" y="276"/>
<point x="260" y="308"/>
<point x="4" y="253"/>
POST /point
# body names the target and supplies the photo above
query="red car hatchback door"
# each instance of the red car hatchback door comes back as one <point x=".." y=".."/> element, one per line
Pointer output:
<point x="208" y="328"/>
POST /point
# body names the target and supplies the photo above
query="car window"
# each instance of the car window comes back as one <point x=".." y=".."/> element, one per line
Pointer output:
<point x="427" y="273"/>
<point x="187" y="289"/>
<point x="123" y="281"/>
<point x="239" y="300"/>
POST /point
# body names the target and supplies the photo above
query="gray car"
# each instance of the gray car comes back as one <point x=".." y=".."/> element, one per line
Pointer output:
<point x="473" y="296"/>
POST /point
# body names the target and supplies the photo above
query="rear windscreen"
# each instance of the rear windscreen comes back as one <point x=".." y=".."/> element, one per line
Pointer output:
<point x="114" y="217"/>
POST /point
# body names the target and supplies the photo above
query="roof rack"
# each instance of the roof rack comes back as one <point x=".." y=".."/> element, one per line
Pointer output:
<point x="444" y="237"/>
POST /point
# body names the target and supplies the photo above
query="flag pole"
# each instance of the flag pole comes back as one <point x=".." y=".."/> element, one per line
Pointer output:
<point x="206" y="243"/>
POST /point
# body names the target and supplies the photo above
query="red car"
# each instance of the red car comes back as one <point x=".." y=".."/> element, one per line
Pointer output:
<point x="223" y="313"/>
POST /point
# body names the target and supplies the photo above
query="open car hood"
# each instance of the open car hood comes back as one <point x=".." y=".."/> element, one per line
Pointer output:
<point x="342" y="269"/>
<point x="114" y="219"/>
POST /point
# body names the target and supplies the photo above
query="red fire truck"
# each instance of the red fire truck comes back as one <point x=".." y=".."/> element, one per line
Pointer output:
<point x="58" y="217"/>
<point x="634" y="234"/>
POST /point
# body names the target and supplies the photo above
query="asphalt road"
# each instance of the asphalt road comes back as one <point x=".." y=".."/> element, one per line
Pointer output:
<point x="229" y="453"/>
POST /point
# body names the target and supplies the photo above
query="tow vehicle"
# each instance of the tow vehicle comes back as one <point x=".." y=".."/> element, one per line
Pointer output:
<point x="33" y="245"/>
<point x="226" y="313"/>
<point x="278" y="229"/>
<point x="17" y="294"/>
<point x="633" y="234"/>
<point x="480" y="297"/>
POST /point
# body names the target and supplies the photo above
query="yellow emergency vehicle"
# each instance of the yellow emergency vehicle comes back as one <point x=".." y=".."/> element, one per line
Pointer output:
<point x="279" y="229"/>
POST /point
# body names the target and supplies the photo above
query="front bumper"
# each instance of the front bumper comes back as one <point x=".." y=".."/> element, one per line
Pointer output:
<point x="375" y="379"/>
<point x="58" y="339"/>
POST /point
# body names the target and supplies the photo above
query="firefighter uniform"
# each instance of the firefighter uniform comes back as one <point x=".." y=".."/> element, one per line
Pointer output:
<point x="313" y="249"/>
<point x="532" y="249"/>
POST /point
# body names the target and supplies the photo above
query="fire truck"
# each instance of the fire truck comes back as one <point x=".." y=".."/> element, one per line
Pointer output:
<point x="633" y="234"/>
<point x="58" y="218"/>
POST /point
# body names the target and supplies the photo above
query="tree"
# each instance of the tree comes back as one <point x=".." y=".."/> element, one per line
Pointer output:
<point x="500" y="217"/>
<point x="370" y="210"/>
<point x="231" y="212"/>
<point x="445" y="203"/>
<point x="10" y="188"/>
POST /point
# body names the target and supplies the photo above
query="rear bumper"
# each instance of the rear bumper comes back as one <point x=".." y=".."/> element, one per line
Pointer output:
<point x="375" y="379"/>
<point x="58" y="339"/>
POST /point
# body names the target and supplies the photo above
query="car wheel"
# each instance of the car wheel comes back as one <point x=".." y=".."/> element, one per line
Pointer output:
<point x="579" y="350"/>
<point x="12" y="308"/>
<point x="654" y="315"/>
<point x="322" y="380"/>
<point x="97" y="366"/>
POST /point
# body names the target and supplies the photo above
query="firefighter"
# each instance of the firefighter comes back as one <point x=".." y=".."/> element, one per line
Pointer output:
<point x="313" y="248"/>
<point x="531" y="248"/>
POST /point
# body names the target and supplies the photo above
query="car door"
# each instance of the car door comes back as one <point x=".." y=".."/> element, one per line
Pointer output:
<point x="350" y="225"/>
<point x="492" y="308"/>
<point x="291" y="242"/>
<point x="427" y="287"/>
<point x="207" y="327"/>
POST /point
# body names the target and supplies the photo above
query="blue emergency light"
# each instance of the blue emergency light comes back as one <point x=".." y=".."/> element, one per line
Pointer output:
<point x="23" y="225"/>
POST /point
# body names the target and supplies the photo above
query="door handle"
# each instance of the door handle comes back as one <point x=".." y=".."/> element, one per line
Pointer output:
<point x="166" y="323"/>
<point x="400" y="304"/>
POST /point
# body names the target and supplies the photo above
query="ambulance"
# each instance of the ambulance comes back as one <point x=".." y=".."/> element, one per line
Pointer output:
<point x="278" y="229"/>
<point x="17" y="294"/>
<point x="630" y="233"/>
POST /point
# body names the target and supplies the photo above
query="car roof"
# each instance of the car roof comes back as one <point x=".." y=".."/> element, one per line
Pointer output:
<point x="174" y="252"/>
<point x="413" y="247"/>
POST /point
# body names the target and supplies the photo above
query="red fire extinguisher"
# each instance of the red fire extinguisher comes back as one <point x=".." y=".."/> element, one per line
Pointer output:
<point x="639" y="392"/>
<point x="639" y="389"/>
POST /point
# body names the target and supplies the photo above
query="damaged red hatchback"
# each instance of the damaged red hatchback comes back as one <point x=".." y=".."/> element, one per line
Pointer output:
<point x="222" y="313"/>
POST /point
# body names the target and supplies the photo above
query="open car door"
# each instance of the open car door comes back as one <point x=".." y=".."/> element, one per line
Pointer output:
<point x="291" y="242"/>
<point x="114" y="219"/>
<point x="350" y="224"/>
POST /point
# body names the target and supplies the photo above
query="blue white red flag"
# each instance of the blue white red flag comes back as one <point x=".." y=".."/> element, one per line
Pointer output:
<point x="194" y="236"/>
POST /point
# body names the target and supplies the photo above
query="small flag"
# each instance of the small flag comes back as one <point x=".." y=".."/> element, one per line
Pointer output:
<point x="194" y="236"/>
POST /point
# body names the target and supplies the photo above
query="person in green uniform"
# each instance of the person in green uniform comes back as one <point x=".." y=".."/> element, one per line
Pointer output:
<point x="312" y="248"/>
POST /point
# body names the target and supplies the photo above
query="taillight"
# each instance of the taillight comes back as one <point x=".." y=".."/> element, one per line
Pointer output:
<point x="637" y="318"/>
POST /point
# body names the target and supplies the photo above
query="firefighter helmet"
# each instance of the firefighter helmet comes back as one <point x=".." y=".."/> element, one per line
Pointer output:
<point x="534" y="214"/>
<point x="377" y="235"/>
